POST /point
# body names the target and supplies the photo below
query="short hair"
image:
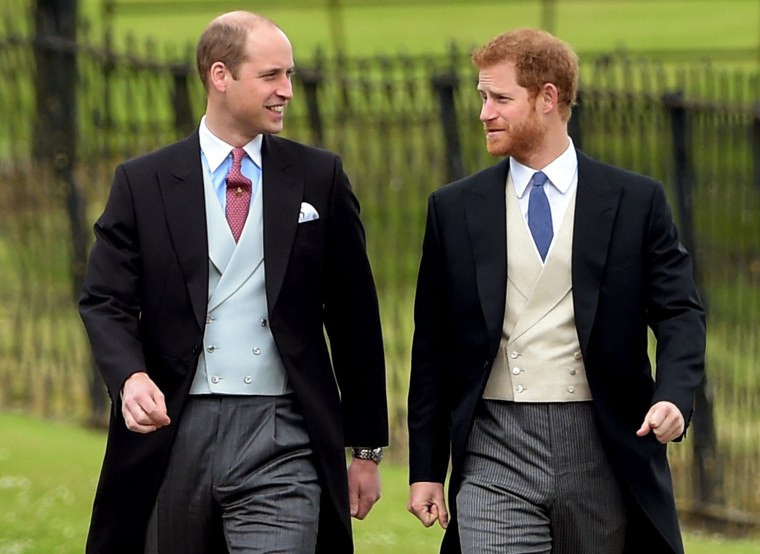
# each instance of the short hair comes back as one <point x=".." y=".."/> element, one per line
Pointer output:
<point x="539" y="58"/>
<point x="224" y="40"/>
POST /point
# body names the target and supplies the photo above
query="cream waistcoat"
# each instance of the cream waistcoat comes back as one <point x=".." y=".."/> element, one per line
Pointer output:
<point x="539" y="357"/>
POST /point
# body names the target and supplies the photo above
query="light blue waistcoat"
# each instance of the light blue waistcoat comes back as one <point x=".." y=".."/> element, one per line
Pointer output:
<point x="239" y="353"/>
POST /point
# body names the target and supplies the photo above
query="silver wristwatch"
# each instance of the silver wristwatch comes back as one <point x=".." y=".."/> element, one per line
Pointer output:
<point x="374" y="454"/>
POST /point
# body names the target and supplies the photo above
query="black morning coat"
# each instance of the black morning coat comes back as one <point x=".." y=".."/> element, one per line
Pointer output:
<point x="144" y="307"/>
<point x="629" y="273"/>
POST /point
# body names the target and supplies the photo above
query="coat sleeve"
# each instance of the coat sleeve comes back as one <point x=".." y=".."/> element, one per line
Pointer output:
<point x="674" y="311"/>
<point x="428" y="402"/>
<point x="109" y="304"/>
<point x="352" y="321"/>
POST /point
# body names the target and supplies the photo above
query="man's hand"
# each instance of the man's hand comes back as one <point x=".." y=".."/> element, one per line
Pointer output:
<point x="142" y="404"/>
<point x="363" y="487"/>
<point x="665" y="419"/>
<point x="426" y="501"/>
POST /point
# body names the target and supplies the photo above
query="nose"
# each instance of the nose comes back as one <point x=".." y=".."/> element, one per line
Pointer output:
<point x="486" y="111"/>
<point x="285" y="88"/>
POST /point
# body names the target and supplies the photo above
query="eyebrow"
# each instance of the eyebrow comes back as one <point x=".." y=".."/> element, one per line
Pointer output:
<point x="491" y="90"/>
<point x="266" y="71"/>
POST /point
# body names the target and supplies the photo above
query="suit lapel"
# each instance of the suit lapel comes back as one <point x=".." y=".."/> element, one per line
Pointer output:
<point x="282" y="187"/>
<point x="595" y="210"/>
<point x="485" y="212"/>
<point x="221" y="245"/>
<point x="181" y="184"/>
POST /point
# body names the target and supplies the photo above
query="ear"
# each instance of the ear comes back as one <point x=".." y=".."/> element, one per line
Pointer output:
<point x="548" y="96"/>
<point x="217" y="76"/>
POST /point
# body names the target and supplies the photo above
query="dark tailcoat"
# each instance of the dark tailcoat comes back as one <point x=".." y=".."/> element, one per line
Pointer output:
<point x="144" y="307"/>
<point x="629" y="273"/>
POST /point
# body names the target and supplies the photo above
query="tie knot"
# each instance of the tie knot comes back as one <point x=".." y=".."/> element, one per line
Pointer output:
<point x="237" y="157"/>
<point x="539" y="179"/>
<point x="235" y="177"/>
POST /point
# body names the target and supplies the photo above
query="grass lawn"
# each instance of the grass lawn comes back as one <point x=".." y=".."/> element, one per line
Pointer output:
<point x="48" y="473"/>
<point x="425" y="27"/>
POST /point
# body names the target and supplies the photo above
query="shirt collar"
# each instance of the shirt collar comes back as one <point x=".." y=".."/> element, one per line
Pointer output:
<point x="216" y="150"/>
<point x="560" y="171"/>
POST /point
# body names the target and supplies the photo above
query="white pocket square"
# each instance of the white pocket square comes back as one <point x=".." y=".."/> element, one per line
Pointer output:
<point x="307" y="213"/>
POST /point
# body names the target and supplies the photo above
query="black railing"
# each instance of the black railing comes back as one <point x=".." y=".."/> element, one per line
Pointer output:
<point x="404" y="126"/>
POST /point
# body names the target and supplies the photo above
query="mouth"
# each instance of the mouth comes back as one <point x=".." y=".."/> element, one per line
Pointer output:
<point x="278" y="109"/>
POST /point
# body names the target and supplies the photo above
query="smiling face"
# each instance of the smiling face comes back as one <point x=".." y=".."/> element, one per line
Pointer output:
<point x="256" y="95"/>
<point x="510" y="118"/>
<point x="247" y="62"/>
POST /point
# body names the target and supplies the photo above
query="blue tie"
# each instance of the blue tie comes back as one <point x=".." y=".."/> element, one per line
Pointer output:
<point x="540" y="214"/>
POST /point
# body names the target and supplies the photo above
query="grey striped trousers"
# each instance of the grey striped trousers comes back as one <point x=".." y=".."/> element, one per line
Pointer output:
<point x="240" y="479"/>
<point x="536" y="480"/>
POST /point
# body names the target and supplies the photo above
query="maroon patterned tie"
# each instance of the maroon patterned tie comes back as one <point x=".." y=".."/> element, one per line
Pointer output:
<point x="238" y="195"/>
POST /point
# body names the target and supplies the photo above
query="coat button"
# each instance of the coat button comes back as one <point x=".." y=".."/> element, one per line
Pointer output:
<point x="513" y="355"/>
<point x="263" y="322"/>
<point x="215" y="379"/>
<point x="571" y="390"/>
<point x="257" y="351"/>
<point x="572" y="371"/>
<point x="520" y="388"/>
<point x="516" y="370"/>
<point x="577" y="355"/>
<point x="211" y="348"/>
<point x="248" y="380"/>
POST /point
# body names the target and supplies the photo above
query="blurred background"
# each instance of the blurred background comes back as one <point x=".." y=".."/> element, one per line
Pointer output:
<point x="669" y="88"/>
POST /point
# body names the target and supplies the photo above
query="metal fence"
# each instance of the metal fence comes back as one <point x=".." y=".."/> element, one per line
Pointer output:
<point x="405" y="126"/>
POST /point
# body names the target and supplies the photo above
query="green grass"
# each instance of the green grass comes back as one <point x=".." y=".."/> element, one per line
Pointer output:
<point x="371" y="27"/>
<point x="48" y="473"/>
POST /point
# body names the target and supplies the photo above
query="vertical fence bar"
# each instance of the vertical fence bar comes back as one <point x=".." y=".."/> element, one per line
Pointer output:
<point x="55" y="140"/>
<point x="574" y="128"/>
<point x="756" y="144"/>
<point x="674" y="102"/>
<point x="445" y="84"/>
<point x="549" y="15"/>
<point x="311" y="80"/>
<point x="707" y="468"/>
<point x="184" y="122"/>
<point x="55" y="80"/>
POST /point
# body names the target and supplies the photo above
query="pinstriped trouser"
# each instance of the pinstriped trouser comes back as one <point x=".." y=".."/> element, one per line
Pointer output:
<point x="536" y="480"/>
<point x="240" y="479"/>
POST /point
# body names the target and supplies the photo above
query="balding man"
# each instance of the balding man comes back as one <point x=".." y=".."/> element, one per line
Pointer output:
<point x="219" y="263"/>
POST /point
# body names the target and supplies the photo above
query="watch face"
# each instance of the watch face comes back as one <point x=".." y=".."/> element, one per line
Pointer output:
<point x="374" y="454"/>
